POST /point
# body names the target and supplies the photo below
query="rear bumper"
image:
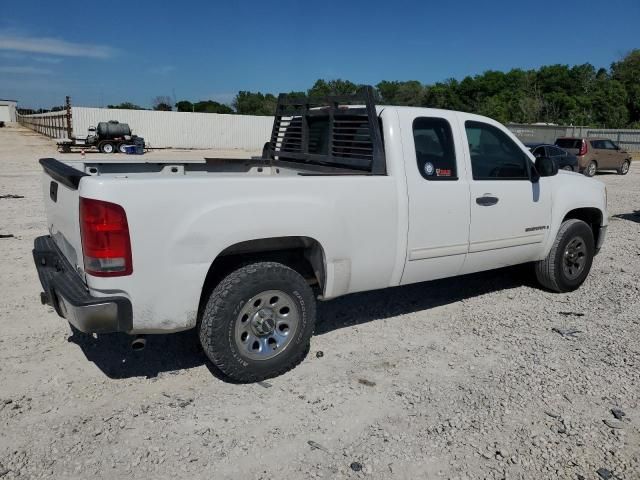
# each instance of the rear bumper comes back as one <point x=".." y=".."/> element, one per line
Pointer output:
<point x="66" y="292"/>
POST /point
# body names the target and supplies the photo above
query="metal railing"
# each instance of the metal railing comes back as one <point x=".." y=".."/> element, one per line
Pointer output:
<point x="51" y="124"/>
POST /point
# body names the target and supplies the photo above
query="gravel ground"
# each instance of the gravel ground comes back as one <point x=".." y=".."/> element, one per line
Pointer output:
<point x="483" y="376"/>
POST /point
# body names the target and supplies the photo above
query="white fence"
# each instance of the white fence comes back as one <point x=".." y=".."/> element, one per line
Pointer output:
<point x="162" y="129"/>
<point x="182" y="129"/>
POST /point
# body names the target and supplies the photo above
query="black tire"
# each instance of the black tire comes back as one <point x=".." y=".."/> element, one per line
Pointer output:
<point x="568" y="167"/>
<point x="222" y="314"/>
<point x="591" y="169"/>
<point x="266" y="150"/>
<point x="107" y="147"/>
<point x="551" y="271"/>
<point x="624" y="168"/>
<point x="121" y="148"/>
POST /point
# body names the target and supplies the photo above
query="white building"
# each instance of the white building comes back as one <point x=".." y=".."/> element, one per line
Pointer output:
<point x="8" y="110"/>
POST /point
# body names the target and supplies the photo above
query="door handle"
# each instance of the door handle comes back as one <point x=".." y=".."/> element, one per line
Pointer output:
<point x="487" y="200"/>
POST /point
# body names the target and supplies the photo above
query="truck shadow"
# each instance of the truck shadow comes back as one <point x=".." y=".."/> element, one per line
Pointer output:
<point x="632" y="217"/>
<point x="366" y="307"/>
<point x="169" y="354"/>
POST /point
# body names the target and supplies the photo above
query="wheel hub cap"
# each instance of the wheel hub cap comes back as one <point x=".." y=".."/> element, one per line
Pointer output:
<point x="266" y="324"/>
<point x="263" y="321"/>
<point x="574" y="258"/>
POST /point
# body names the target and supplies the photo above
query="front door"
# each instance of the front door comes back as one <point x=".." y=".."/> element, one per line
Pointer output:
<point x="438" y="191"/>
<point x="614" y="158"/>
<point x="509" y="213"/>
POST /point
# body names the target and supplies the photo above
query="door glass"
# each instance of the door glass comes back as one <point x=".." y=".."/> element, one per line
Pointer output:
<point x="494" y="156"/>
<point x="556" y="152"/>
<point x="435" y="152"/>
<point x="539" y="152"/>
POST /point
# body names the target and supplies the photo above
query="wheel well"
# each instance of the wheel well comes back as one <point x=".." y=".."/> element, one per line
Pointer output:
<point x="303" y="254"/>
<point x="591" y="216"/>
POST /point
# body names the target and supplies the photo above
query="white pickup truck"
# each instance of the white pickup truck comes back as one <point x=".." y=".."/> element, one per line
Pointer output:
<point x="347" y="197"/>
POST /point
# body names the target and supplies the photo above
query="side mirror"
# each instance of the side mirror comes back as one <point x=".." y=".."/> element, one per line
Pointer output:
<point x="546" y="167"/>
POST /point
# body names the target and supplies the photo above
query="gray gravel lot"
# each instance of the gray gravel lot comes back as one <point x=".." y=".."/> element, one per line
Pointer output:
<point x="483" y="376"/>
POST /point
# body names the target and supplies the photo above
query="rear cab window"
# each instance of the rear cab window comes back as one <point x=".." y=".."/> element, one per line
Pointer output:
<point x="435" y="152"/>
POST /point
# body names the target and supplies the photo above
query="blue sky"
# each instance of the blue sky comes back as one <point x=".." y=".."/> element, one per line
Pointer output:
<point x="211" y="49"/>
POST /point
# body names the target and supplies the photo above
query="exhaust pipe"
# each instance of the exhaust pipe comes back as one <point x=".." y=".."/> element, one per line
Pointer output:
<point x="138" y="343"/>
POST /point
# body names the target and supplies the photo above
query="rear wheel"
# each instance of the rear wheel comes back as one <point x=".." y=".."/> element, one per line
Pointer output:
<point x="569" y="261"/>
<point x="122" y="147"/>
<point x="107" y="147"/>
<point x="624" y="168"/>
<point x="591" y="169"/>
<point x="568" y="167"/>
<point x="258" y="322"/>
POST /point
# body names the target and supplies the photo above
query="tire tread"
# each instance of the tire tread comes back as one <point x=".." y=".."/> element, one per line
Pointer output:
<point x="546" y="269"/>
<point x="210" y="328"/>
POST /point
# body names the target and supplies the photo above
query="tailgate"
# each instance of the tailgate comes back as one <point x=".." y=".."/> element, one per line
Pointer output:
<point x="61" y="199"/>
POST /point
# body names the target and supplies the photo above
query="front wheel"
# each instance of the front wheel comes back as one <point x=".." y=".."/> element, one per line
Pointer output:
<point x="569" y="261"/>
<point x="258" y="322"/>
<point x="624" y="168"/>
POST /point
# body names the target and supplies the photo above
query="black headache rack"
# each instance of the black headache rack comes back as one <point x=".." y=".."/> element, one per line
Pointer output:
<point x="328" y="131"/>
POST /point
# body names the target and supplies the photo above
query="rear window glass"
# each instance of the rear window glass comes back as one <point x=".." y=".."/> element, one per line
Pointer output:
<point x="435" y="152"/>
<point x="557" y="152"/>
<point x="569" y="142"/>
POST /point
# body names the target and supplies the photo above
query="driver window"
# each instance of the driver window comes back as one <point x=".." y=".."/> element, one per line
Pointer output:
<point x="494" y="156"/>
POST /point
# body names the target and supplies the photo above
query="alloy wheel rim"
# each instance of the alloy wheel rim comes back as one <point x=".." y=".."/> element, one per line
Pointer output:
<point x="592" y="169"/>
<point x="266" y="325"/>
<point x="625" y="167"/>
<point x="574" y="258"/>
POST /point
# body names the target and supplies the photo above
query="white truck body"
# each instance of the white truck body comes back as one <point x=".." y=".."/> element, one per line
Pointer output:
<point x="369" y="232"/>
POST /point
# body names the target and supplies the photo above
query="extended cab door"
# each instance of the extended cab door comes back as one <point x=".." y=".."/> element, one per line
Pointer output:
<point x="510" y="215"/>
<point x="438" y="191"/>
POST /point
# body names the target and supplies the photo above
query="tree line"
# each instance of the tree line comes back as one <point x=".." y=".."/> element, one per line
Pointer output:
<point x="559" y="94"/>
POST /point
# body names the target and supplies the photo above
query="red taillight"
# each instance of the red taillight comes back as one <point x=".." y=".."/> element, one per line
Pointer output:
<point x="583" y="148"/>
<point x="105" y="238"/>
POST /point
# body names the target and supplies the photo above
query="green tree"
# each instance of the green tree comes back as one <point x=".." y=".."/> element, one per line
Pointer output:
<point x="211" y="106"/>
<point x="627" y="72"/>
<point x="126" y="106"/>
<point x="250" y="103"/>
<point x="322" y="88"/>
<point x="162" y="103"/>
<point x="408" y="93"/>
<point x="184" y="106"/>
